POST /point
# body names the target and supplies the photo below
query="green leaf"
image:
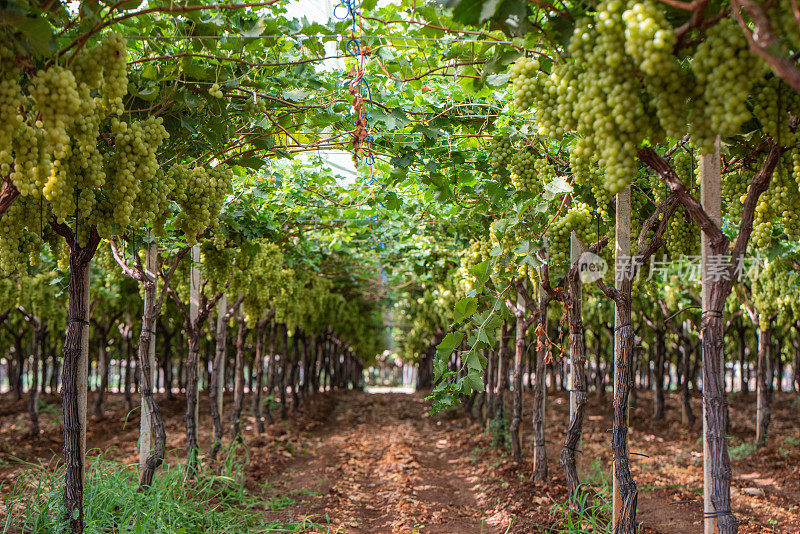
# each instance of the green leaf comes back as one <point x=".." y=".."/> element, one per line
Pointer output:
<point x="450" y="342"/>
<point x="475" y="381"/>
<point x="464" y="308"/>
<point x="37" y="31"/>
<point x="488" y="9"/>
<point x="481" y="271"/>
<point x="558" y="186"/>
<point x="497" y="80"/>
<point x="474" y="360"/>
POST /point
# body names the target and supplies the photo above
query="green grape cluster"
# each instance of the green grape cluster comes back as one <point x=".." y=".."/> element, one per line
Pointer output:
<point x="113" y="59"/>
<point x="771" y="288"/>
<point x="577" y="219"/>
<point x="507" y="242"/>
<point x="650" y="40"/>
<point x="502" y="151"/>
<point x="10" y="119"/>
<point x="507" y="267"/>
<point x="599" y="97"/>
<point x="255" y="105"/>
<point x="724" y="71"/>
<point x="774" y="105"/>
<point x="20" y="240"/>
<point x="200" y="194"/>
<point x="683" y="165"/>
<point x="766" y="211"/>
<point x="791" y="214"/>
<point x="734" y="190"/>
<point x="215" y="91"/>
<point x="523" y="74"/>
<point x="524" y="175"/>
<point x="683" y="236"/>
<point x="590" y="176"/>
<point x="31" y="161"/>
<point x="478" y="252"/>
<point x="556" y="96"/>
<point x="782" y="17"/>
<point x="55" y="93"/>
<point x="134" y="164"/>
<point x="260" y="278"/>
<point x="52" y="150"/>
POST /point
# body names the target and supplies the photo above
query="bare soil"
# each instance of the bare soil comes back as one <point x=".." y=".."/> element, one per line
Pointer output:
<point x="379" y="463"/>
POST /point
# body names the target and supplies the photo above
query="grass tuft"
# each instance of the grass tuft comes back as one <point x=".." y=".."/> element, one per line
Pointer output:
<point x="211" y="503"/>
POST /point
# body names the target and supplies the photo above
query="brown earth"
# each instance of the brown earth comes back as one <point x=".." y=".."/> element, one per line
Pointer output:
<point x="379" y="463"/>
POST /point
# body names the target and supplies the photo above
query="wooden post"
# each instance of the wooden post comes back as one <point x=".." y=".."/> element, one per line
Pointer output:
<point x="145" y="422"/>
<point x="194" y="307"/>
<point x="222" y="308"/>
<point x="710" y="198"/>
<point x="622" y="252"/>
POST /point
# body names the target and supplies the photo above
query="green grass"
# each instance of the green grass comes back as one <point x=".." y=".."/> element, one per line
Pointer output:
<point x="741" y="451"/>
<point x="591" y="512"/>
<point x="213" y="503"/>
<point x="498" y="430"/>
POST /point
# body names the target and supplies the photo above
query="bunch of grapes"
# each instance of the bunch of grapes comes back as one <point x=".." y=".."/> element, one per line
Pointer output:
<point x="113" y="59"/>
<point x="523" y="74"/>
<point x="255" y="105"/>
<point x="10" y="119"/>
<point x="769" y="288"/>
<point x="683" y="165"/>
<point x="55" y="93"/>
<point x="31" y="161"/>
<point x="556" y="95"/>
<point x="523" y="171"/>
<point x="577" y="219"/>
<point x="478" y="252"/>
<point x="782" y="17"/>
<point x="215" y="91"/>
<point x="761" y="237"/>
<point x="683" y="236"/>
<point x="724" y="70"/>
<point x="791" y="214"/>
<point x="135" y="164"/>
<point x="259" y="279"/>
<point x="589" y="175"/>
<point x="602" y="99"/>
<point x="774" y="105"/>
<point x="200" y="194"/>
<point x="734" y="190"/>
<point x="507" y="241"/>
<point x="650" y="40"/>
<point x="501" y="151"/>
<point x="20" y="240"/>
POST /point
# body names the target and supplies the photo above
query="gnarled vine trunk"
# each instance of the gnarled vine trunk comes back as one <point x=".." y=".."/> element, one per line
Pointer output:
<point x="658" y="375"/>
<point x="516" y="409"/>
<point x="539" y="471"/>
<point x="216" y="387"/>
<point x="762" y="396"/>
<point x="238" y="380"/>
<point x="260" y="332"/>
<point x="578" y="393"/>
<point x="74" y="376"/>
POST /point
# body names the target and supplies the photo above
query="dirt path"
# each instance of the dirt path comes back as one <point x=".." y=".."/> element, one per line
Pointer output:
<point x="380" y="464"/>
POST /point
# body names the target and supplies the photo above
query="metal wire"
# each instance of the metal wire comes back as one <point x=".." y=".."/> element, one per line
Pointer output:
<point x="449" y="40"/>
